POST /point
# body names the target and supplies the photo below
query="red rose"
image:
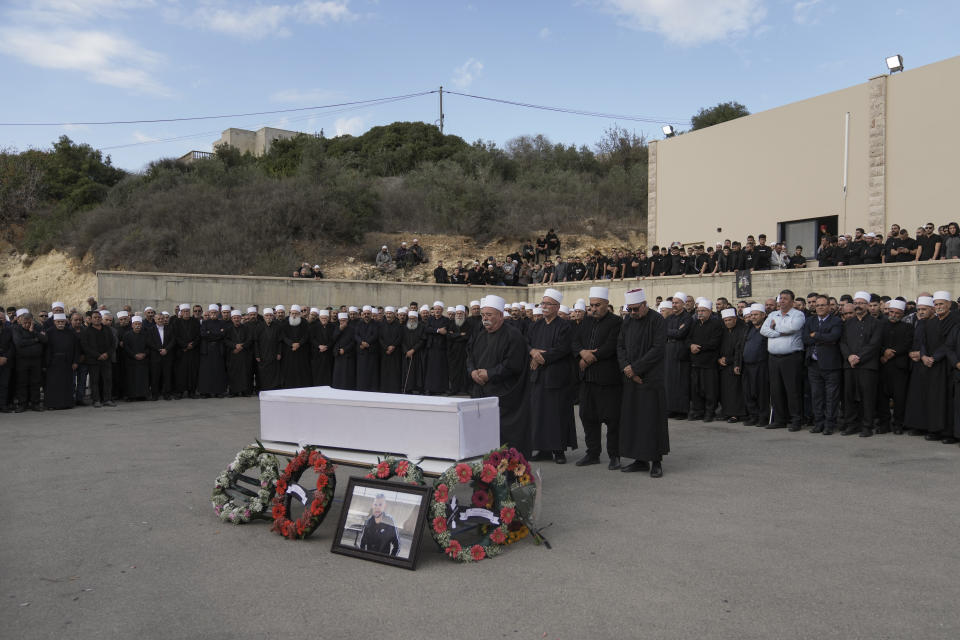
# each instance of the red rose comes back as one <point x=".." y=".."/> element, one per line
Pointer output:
<point x="287" y="529"/>
<point x="454" y="549"/>
<point x="439" y="524"/>
<point x="480" y="498"/>
<point x="464" y="472"/>
<point x="402" y="467"/>
<point x="495" y="458"/>
<point x="316" y="508"/>
<point x="488" y="473"/>
<point x="314" y="455"/>
<point x="477" y="553"/>
<point x="441" y="495"/>
<point x="279" y="511"/>
<point x="322" y="481"/>
<point x="369" y="476"/>
<point x="511" y="465"/>
<point x="383" y="469"/>
<point x="301" y="528"/>
<point x="281" y="487"/>
<point x="506" y="515"/>
<point x="498" y="536"/>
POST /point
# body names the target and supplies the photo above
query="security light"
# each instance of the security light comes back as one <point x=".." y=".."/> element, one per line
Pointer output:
<point x="667" y="130"/>
<point x="895" y="63"/>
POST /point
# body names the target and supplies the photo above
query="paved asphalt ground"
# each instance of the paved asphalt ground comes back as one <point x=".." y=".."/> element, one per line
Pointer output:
<point x="107" y="532"/>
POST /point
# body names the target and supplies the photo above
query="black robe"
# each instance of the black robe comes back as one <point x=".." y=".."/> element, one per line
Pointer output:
<point x="239" y="365"/>
<point x="643" y="413"/>
<point x="213" y="370"/>
<point x="552" y="425"/>
<point x="136" y="372"/>
<point x="731" y="385"/>
<point x="187" y="355"/>
<point x="266" y="350"/>
<point x="344" y="364"/>
<point x="63" y="351"/>
<point x="412" y="368"/>
<point x="677" y="361"/>
<point x="503" y="354"/>
<point x="436" y="378"/>
<point x="391" y="364"/>
<point x="368" y="359"/>
<point x="321" y="362"/>
<point x="295" y="365"/>
<point x="457" y="340"/>
<point x="929" y="406"/>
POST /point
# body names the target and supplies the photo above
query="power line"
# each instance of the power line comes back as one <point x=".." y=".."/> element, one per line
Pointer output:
<point x="234" y="115"/>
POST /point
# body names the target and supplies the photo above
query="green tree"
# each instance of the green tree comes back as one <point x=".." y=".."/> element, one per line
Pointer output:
<point x="715" y="115"/>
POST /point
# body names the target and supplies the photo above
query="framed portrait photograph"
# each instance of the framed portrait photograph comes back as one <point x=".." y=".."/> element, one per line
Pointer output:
<point x="382" y="521"/>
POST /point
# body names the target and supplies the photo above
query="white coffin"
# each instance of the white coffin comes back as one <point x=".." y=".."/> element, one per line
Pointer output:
<point x="414" y="427"/>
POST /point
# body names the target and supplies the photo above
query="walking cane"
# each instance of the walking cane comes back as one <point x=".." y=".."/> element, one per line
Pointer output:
<point x="407" y="377"/>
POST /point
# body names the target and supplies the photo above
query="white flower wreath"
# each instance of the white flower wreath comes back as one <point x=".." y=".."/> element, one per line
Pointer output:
<point x="237" y="510"/>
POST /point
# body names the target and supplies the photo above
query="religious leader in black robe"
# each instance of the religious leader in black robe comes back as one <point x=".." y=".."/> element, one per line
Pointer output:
<point x="928" y="401"/>
<point x="436" y="379"/>
<point x="136" y="368"/>
<point x="295" y="359"/>
<point x="640" y="349"/>
<point x="731" y="369"/>
<point x="321" y="351"/>
<point x="497" y="364"/>
<point x="389" y="339"/>
<point x="238" y="342"/>
<point x="344" y="356"/>
<point x="186" y="366"/>
<point x="366" y="335"/>
<point x="266" y="352"/>
<point x="457" y="340"/>
<point x="413" y="364"/>
<point x="62" y="358"/>
<point x="550" y="344"/>
<point x="213" y="370"/>
<point x="677" y="361"/>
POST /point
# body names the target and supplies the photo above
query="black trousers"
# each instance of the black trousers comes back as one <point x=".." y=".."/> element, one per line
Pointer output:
<point x="786" y="387"/>
<point x="893" y="386"/>
<point x="756" y="390"/>
<point x="5" y="383"/>
<point x="101" y="373"/>
<point x="28" y="380"/>
<point x="161" y="375"/>
<point x="704" y="389"/>
<point x="825" y="393"/>
<point x="859" y="397"/>
<point x="600" y="404"/>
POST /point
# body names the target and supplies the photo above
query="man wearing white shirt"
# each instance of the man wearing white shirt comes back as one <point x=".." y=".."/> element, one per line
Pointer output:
<point x="784" y="332"/>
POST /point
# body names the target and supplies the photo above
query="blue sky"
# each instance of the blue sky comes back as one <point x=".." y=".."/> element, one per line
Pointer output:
<point x="67" y="61"/>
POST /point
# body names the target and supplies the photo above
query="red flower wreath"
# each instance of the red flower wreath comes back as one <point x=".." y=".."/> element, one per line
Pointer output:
<point x="316" y="509"/>
<point x="400" y="468"/>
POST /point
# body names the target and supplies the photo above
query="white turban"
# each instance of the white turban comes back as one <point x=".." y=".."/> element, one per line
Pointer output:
<point x="460" y="307"/>
<point x="294" y="307"/>
<point x="451" y="309"/>
<point x="280" y="307"/>
<point x="635" y="296"/>
<point x="580" y="306"/>
<point x="564" y="309"/>
<point x="600" y="292"/>
<point x="136" y="319"/>
<point x="325" y="313"/>
<point x="412" y="314"/>
<point x="898" y="304"/>
<point x="553" y="294"/>
<point x="389" y="310"/>
<point x="367" y="307"/>
<point x="165" y="313"/>
<point x="703" y="303"/>
<point x="343" y="316"/>
<point x="213" y="307"/>
<point x="22" y="312"/>
<point x="680" y="294"/>
<point x="225" y="307"/>
<point x="315" y="310"/>
<point x="941" y="295"/>
<point x="353" y="309"/>
<point x="58" y="304"/>
<point x="537" y="311"/>
<point x="59" y="316"/>
<point x="861" y="295"/>
<point x="251" y="309"/>
<point x="506" y="314"/>
<point x="268" y="311"/>
<point x="122" y="314"/>
<point x="663" y="306"/>
<point x="924" y="301"/>
<point x="494" y="302"/>
<point x="474" y="303"/>
<point x="236" y="313"/>
<point x="184" y="307"/>
<point x="145" y="309"/>
<point x="438" y="303"/>
<point x="728" y="313"/>
<point x="756" y="306"/>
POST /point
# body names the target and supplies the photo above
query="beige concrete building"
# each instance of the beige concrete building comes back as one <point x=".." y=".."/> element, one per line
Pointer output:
<point x="868" y="156"/>
<point x="257" y="142"/>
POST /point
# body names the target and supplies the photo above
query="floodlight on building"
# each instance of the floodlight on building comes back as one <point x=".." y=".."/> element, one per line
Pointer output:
<point x="895" y="63"/>
<point x="667" y="130"/>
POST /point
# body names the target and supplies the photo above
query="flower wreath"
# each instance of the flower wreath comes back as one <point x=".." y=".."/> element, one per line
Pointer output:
<point x="496" y="495"/>
<point x="516" y="470"/>
<point x="401" y="468"/>
<point x="316" y="510"/>
<point x="240" y="510"/>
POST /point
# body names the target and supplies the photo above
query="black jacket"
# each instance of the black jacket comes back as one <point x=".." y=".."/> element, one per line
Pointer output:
<point x="601" y="335"/>
<point x="862" y="337"/>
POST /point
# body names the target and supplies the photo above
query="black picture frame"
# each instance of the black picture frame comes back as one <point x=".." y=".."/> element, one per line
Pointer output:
<point x="354" y="535"/>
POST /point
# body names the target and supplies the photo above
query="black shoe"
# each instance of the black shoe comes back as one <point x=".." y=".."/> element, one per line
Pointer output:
<point x="880" y="430"/>
<point x="694" y="416"/>
<point x="681" y="416"/>
<point x="559" y="457"/>
<point x="20" y="409"/>
<point x="828" y="432"/>
<point x="914" y="432"/>
<point x="793" y="427"/>
<point x="898" y="432"/>
<point x="709" y="418"/>
<point x="866" y="433"/>
<point x="932" y="436"/>
<point x="816" y="430"/>
<point x="39" y="407"/>
<point x="167" y="397"/>
<point x="733" y="420"/>
<point x="109" y="403"/>
<point x="849" y="432"/>
<point x="762" y="425"/>
<point x="542" y="456"/>
<point x="656" y="470"/>
<point x="950" y="440"/>
<point x="775" y="426"/>
<point x="614" y="463"/>
<point x="97" y="405"/>
<point x="588" y="460"/>
<point x="636" y="465"/>
<point x="750" y="422"/>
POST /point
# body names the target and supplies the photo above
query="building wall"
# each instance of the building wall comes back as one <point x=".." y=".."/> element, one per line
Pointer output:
<point x="165" y="290"/>
<point x="241" y="139"/>
<point x="267" y="135"/>
<point x="784" y="164"/>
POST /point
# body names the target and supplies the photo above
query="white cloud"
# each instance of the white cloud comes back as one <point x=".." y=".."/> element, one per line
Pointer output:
<point x="544" y="33"/>
<point x="62" y="11"/>
<point x="262" y="20"/>
<point x="690" y="22"/>
<point x="465" y="74"/>
<point x="305" y="96"/>
<point x="142" y="137"/>
<point x="349" y="126"/>
<point x="809" y="12"/>
<point x="105" y="58"/>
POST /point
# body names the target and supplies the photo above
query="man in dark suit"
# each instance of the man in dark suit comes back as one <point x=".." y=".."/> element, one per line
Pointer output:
<point x="894" y="368"/>
<point x="821" y="337"/>
<point x="160" y="342"/>
<point x="860" y="346"/>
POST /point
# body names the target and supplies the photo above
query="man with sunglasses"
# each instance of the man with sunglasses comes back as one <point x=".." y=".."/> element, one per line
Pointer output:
<point x="641" y="347"/>
<point x="929" y="243"/>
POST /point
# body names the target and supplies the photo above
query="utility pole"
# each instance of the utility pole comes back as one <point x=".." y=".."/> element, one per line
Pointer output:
<point x="441" y="109"/>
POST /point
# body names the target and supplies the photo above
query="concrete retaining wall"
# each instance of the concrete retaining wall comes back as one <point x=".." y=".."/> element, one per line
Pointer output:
<point x="165" y="290"/>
